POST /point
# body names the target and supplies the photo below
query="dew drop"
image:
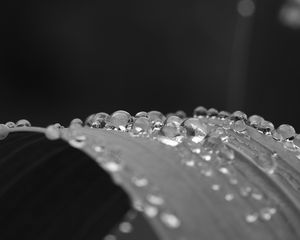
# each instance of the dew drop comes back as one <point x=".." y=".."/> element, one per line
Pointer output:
<point x="256" y="195"/>
<point x="238" y="115"/>
<point x="286" y="131"/>
<point x="110" y="237"/>
<point x="76" y="122"/>
<point x="265" y="127"/>
<point x="98" y="149"/>
<point x="251" y="218"/>
<point x="140" y="181"/>
<point x="255" y="120"/>
<point x="289" y="145"/>
<point x="276" y="136"/>
<point x="113" y="164"/>
<point x="223" y="114"/>
<point x="215" y="187"/>
<point x="229" y="197"/>
<point x="195" y="129"/>
<point x="212" y="112"/>
<point x="170" y="220"/>
<point x="226" y="153"/>
<point x="141" y="114"/>
<point x="200" y="111"/>
<point x="180" y="114"/>
<point x="10" y="124"/>
<point x="224" y="170"/>
<point x="52" y="132"/>
<point x="141" y="125"/>
<point x="120" y="119"/>
<point x="245" y="191"/>
<point x="4" y="131"/>
<point x="266" y="213"/>
<point x="150" y="211"/>
<point x="168" y="141"/>
<point x="78" y="141"/>
<point x="239" y="126"/>
<point x="99" y="120"/>
<point x="155" y="199"/>
<point x="23" y="123"/>
<point x="174" y="121"/>
<point x="189" y="162"/>
<point x="206" y="157"/>
<point x="125" y="227"/>
<point x="296" y="140"/>
<point x="156" y="117"/>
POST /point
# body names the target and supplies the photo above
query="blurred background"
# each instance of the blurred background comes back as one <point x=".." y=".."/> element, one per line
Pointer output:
<point x="67" y="59"/>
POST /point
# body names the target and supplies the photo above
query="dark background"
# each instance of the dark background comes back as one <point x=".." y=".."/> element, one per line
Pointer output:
<point x="67" y="59"/>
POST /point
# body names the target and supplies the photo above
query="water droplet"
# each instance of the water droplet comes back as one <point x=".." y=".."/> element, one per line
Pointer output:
<point x="140" y="181"/>
<point x="212" y="142"/>
<point x="212" y="112"/>
<point x="257" y="196"/>
<point x="168" y="141"/>
<point x="112" y="164"/>
<point x="110" y="237"/>
<point x="52" y="132"/>
<point x="229" y="197"/>
<point x="125" y="227"/>
<point x="238" y="115"/>
<point x="170" y="220"/>
<point x="239" y="126"/>
<point x="223" y="114"/>
<point x="276" y="136"/>
<point x="78" y="141"/>
<point x="10" y="124"/>
<point x="255" y="120"/>
<point x="245" y="191"/>
<point x="98" y="149"/>
<point x="251" y="218"/>
<point x="4" y="131"/>
<point x="200" y="111"/>
<point x="194" y="128"/>
<point x="141" y="125"/>
<point x="266" y="213"/>
<point x="99" y="120"/>
<point x="156" y="117"/>
<point x="224" y="170"/>
<point x="23" y="123"/>
<point x="76" y="122"/>
<point x="155" y="199"/>
<point x="286" y="131"/>
<point x="120" y="119"/>
<point x="206" y="171"/>
<point x="189" y="162"/>
<point x="265" y="127"/>
<point x="289" y="145"/>
<point x="296" y="140"/>
<point x="180" y="114"/>
<point x="266" y="162"/>
<point x="206" y="157"/>
<point x="150" y="211"/>
<point x="215" y="187"/>
<point x="141" y="114"/>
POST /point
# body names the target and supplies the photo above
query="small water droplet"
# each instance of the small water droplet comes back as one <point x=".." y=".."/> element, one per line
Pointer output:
<point x="223" y="114"/>
<point x="189" y="162"/>
<point x="125" y="227"/>
<point x="76" y="122"/>
<point x="267" y="213"/>
<point x="239" y="126"/>
<point x="78" y="141"/>
<point x="168" y="141"/>
<point x="251" y="218"/>
<point x="265" y="127"/>
<point x="174" y="121"/>
<point x="296" y="140"/>
<point x="155" y="199"/>
<point x="276" y="136"/>
<point x="98" y="120"/>
<point x="256" y="195"/>
<point x="245" y="191"/>
<point x="150" y="211"/>
<point x="23" y="123"/>
<point x="170" y="220"/>
<point x="98" y="149"/>
<point x="229" y="197"/>
<point x="10" y="124"/>
<point x="286" y="131"/>
<point x="289" y="145"/>
<point x="212" y="112"/>
<point x="206" y="157"/>
<point x="215" y="187"/>
<point x="226" y="153"/>
<point x="110" y="237"/>
<point x="140" y="181"/>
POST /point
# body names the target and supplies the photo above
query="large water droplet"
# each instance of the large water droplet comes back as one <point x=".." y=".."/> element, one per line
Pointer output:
<point x="174" y="121"/>
<point x="141" y="125"/>
<point x="52" y="132"/>
<point x="141" y="114"/>
<point x="286" y="131"/>
<point x="156" y="117"/>
<point x="23" y="123"/>
<point x="239" y="126"/>
<point x="255" y="120"/>
<point x="99" y="120"/>
<point x="276" y="136"/>
<point x="170" y="220"/>
<point x="212" y="112"/>
<point x="265" y="127"/>
<point x="120" y="120"/>
<point x="195" y="128"/>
